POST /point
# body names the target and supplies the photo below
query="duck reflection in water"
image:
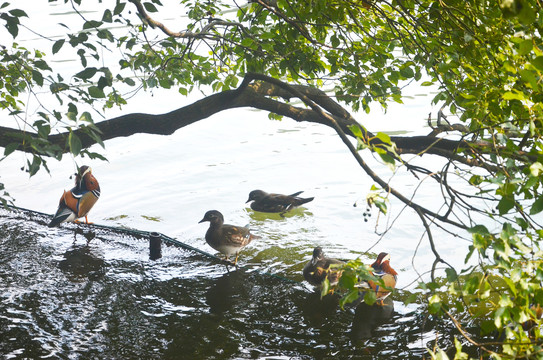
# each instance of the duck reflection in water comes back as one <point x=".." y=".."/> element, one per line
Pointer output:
<point x="317" y="310"/>
<point x="80" y="263"/>
<point x="368" y="317"/>
<point x="322" y="312"/>
<point x="220" y="297"/>
<point x="87" y="234"/>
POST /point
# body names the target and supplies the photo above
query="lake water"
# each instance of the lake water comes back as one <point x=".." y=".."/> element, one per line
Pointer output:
<point x="64" y="299"/>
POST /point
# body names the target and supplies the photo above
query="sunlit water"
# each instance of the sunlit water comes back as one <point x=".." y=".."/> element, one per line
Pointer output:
<point x="61" y="298"/>
<point x="64" y="299"/>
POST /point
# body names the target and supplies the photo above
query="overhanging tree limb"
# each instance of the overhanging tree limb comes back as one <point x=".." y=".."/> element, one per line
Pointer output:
<point x="257" y="95"/>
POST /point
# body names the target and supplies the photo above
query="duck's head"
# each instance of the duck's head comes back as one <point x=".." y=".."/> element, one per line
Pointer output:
<point x="381" y="259"/>
<point x="256" y="195"/>
<point x="318" y="254"/>
<point x="81" y="173"/>
<point x="213" y="216"/>
<point x="383" y="264"/>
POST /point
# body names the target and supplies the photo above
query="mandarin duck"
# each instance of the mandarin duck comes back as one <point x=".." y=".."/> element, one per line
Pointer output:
<point x="227" y="239"/>
<point x="77" y="202"/>
<point x="381" y="268"/>
<point x="320" y="267"/>
<point x="275" y="203"/>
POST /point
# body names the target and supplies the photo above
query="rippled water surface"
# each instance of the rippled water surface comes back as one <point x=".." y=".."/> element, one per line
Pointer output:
<point x="64" y="299"/>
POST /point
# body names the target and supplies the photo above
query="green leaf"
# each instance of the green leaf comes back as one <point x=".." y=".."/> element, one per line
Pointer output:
<point x="87" y="73"/>
<point x="537" y="206"/>
<point x="12" y="24"/>
<point x="107" y="17"/>
<point x="389" y="160"/>
<point x="441" y="355"/>
<point x="75" y="143"/>
<point x="119" y="8"/>
<point x="451" y="274"/>
<point x="476" y="180"/>
<point x="58" y="45"/>
<point x="460" y="355"/>
<point x="370" y="297"/>
<point x="91" y="24"/>
<point x="58" y="87"/>
<point x="150" y="7"/>
<point x="37" y="77"/>
<point x="384" y="138"/>
<point x="488" y="326"/>
<point x="96" y="92"/>
<point x="525" y="47"/>
<point x="434" y="304"/>
<point x="527" y="15"/>
<point x="407" y="72"/>
<point x="506" y="204"/>
<point x="357" y="131"/>
<point x="325" y="287"/>
<point x="381" y="205"/>
<point x="410" y="299"/>
<point x="334" y="41"/>
<point x="11" y="147"/>
<point x="81" y="54"/>
<point x="513" y="95"/>
<point x="86" y="116"/>
<point x="18" y="13"/>
<point x="349" y="298"/>
<point x="34" y="166"/>
<point x="42" y="65"/>
<point x="479" y="229"/>
<point x="522" y="223"/>
<point x="530" y="77"/>
<point x="538" y="63"/>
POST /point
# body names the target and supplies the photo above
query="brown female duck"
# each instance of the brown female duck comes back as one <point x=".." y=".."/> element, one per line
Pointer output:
<point x="275" y="203"/>
<point x="227" y="239"/>
<point x="320" y="267"/>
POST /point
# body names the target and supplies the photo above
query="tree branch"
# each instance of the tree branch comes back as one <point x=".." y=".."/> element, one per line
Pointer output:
<point x="258" y="95"/>
<point x="180" y="34"/>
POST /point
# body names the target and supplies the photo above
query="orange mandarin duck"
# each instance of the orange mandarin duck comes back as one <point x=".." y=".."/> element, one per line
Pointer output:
<point x="382" y="269"/>
<point x="77" y="202"/>
<point x="320" y="267"/>
<point x="227" y="239"/>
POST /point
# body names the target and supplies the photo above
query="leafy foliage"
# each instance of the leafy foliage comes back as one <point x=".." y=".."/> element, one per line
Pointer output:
<point x="485" y="57"/>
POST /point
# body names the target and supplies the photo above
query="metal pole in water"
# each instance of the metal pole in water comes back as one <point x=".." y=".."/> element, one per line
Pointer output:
<point x="155" y="246"/>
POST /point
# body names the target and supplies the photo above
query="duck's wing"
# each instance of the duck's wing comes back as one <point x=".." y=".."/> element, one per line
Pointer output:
<point x="296" y="194"/>
<point x="381" y="291"/>
<point x="86" y="202"/>
<point x="236" y="235"/>
<point x="316" y="273"/>
<point x="67" y="209"/>
<point x="272" y="203"/>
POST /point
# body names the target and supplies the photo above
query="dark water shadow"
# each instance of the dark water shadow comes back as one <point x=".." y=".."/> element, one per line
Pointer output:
<point x="81" y="262"/>
<point x="368" y="317"/>
<point x="64" y="300"/>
